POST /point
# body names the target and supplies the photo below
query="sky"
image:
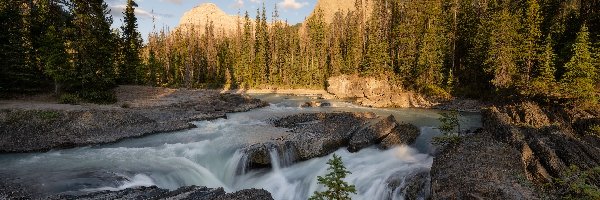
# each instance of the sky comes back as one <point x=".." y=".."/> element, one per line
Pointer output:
<point x="166" y="13"/>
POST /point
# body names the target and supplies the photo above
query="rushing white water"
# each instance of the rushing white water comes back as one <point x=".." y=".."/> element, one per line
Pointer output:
<point x="208" y="156"/>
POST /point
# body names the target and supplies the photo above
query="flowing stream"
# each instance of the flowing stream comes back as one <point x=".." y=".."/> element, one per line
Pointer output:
<point x="207" y="156"/>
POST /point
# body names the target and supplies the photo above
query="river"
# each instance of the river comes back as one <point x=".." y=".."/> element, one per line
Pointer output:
<point x="208" y="156"/>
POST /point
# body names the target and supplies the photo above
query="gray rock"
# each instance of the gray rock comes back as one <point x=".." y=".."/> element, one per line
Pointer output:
<point x="401" y="134"/>
<point x="414" y="185"/>
<point x="183" y="193"/>
<point x="314" y="135"/>
<point x="372" y="134"/>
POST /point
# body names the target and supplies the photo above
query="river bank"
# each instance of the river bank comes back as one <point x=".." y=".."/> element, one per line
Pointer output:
<point x="526" y="151"/>
<point x="33" y="126"/>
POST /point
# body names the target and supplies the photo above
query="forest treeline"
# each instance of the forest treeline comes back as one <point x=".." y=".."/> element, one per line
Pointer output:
<point x="544" y="49"/>
<point x="523" y="48"/>
<point x="67" y="46"/>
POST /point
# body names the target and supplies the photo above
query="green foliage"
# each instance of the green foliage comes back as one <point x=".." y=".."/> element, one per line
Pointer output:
<point x="577" y="184"/>
<point x="450" y="123"/>
<point x="99" y="97"/>
<point x="594" y="130"/>
<point x="446" y="140"/>
<point x="68" y="99"/>
<point x="48" y="115"/>
<point x="337" y="188"/>
<point x="578" y="80"/>
<point x="131" y="42"/>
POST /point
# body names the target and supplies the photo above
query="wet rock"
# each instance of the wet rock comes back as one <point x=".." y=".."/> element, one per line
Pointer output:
<point x="415" y="185"/>
<point x="401" y="134"/>
<point x="314" y="135"/>
<point x="314" y="104"/>
<point x="372" y="134"/>
<point x="183" y="193"/>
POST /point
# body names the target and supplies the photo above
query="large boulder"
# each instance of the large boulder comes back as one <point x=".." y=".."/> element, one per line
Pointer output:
<point x="401" y="134"/>
<point x="312" y="135"/>
<point x="370" y="135"/>
<point x="414" y="185"/>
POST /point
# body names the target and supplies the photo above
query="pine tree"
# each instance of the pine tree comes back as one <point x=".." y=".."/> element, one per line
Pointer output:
<point x="337" y="188"/>
<point x="531" y="37"/>
<point x="132" y="42"/>
<point x="578" y="80"/>
<point x="501" y="56"/>
<point x="94" y="49"/>
<point x="544" y="79"/>
<point x="50" y="44"/>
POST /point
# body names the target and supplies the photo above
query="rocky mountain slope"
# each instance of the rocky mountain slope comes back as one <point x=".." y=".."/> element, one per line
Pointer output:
<point x="201" y="16"/>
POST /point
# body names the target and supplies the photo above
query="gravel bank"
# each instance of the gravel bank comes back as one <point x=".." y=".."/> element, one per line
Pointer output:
<point x="33" y="126"/>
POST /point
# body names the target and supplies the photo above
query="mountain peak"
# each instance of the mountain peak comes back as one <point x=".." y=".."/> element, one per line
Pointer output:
<point x="199" y="16"/>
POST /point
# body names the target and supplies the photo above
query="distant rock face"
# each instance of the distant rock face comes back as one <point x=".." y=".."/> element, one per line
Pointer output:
<point x="330" y="7"/>
<point x="368" y="91"/>
<point x="201" y="16"/>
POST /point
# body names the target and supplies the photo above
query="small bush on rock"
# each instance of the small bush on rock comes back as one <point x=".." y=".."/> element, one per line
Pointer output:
<point x="337" y="188"/>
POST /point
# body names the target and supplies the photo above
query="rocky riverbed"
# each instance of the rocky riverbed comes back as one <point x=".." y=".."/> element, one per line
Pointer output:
<point x="30" y="126"/>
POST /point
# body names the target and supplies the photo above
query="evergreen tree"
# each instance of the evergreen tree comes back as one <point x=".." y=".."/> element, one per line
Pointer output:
<point x="11" y="42"/>
<point x="131" y="44"/>
<point x="578" y="79"/>
<point x="337" y="188"/>
<point x="93" y="48"/>
<point x="50" y="44"/>
<point x="531" y="37"/>
<point x="501" y="56"/>
<point x="544" y="79"/>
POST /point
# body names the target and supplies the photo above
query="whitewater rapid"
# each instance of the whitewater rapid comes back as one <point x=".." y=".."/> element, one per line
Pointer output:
<point x="208" y="156"/>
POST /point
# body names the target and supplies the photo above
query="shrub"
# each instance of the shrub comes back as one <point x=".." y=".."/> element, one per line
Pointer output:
<point x="99" y="97"/>
<point x="450" y="123"/>
<point x="68" y="99"/>
<point x="337" y="188"/>
<point x="48" y="115"/>
<point x="578" y="184"/>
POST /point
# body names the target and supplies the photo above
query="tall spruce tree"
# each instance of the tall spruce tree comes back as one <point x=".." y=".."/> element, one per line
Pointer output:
<point x="131" y="44"/>
<point x="578" y="79"/>
<point x="531" y="34"/>
<point x="93" y="49"/>
<point x="544" y="74"/>
<point x="501" y="56"/>
<point x="11" y="42"/>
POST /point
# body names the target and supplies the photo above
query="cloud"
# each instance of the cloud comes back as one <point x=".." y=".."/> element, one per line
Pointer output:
<point x="238" y="4"/>
<point x="173" y="1"/>
<point x="292" y="4"/>
<point x="117" y="10"/>
<point x="255" y="1"/>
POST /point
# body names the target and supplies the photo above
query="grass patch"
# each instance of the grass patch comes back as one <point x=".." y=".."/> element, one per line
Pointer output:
<point x="68" y="99"/>
<point x="48" y="115"/>
<point x="446" y="140"/>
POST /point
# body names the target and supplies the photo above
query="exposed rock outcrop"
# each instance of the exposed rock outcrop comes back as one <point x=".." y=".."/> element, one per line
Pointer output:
<point x="523" y="147"/>
<point x="373" y="92"/>
<point x="183" y="193"/>
<point x="318" y="134"/>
